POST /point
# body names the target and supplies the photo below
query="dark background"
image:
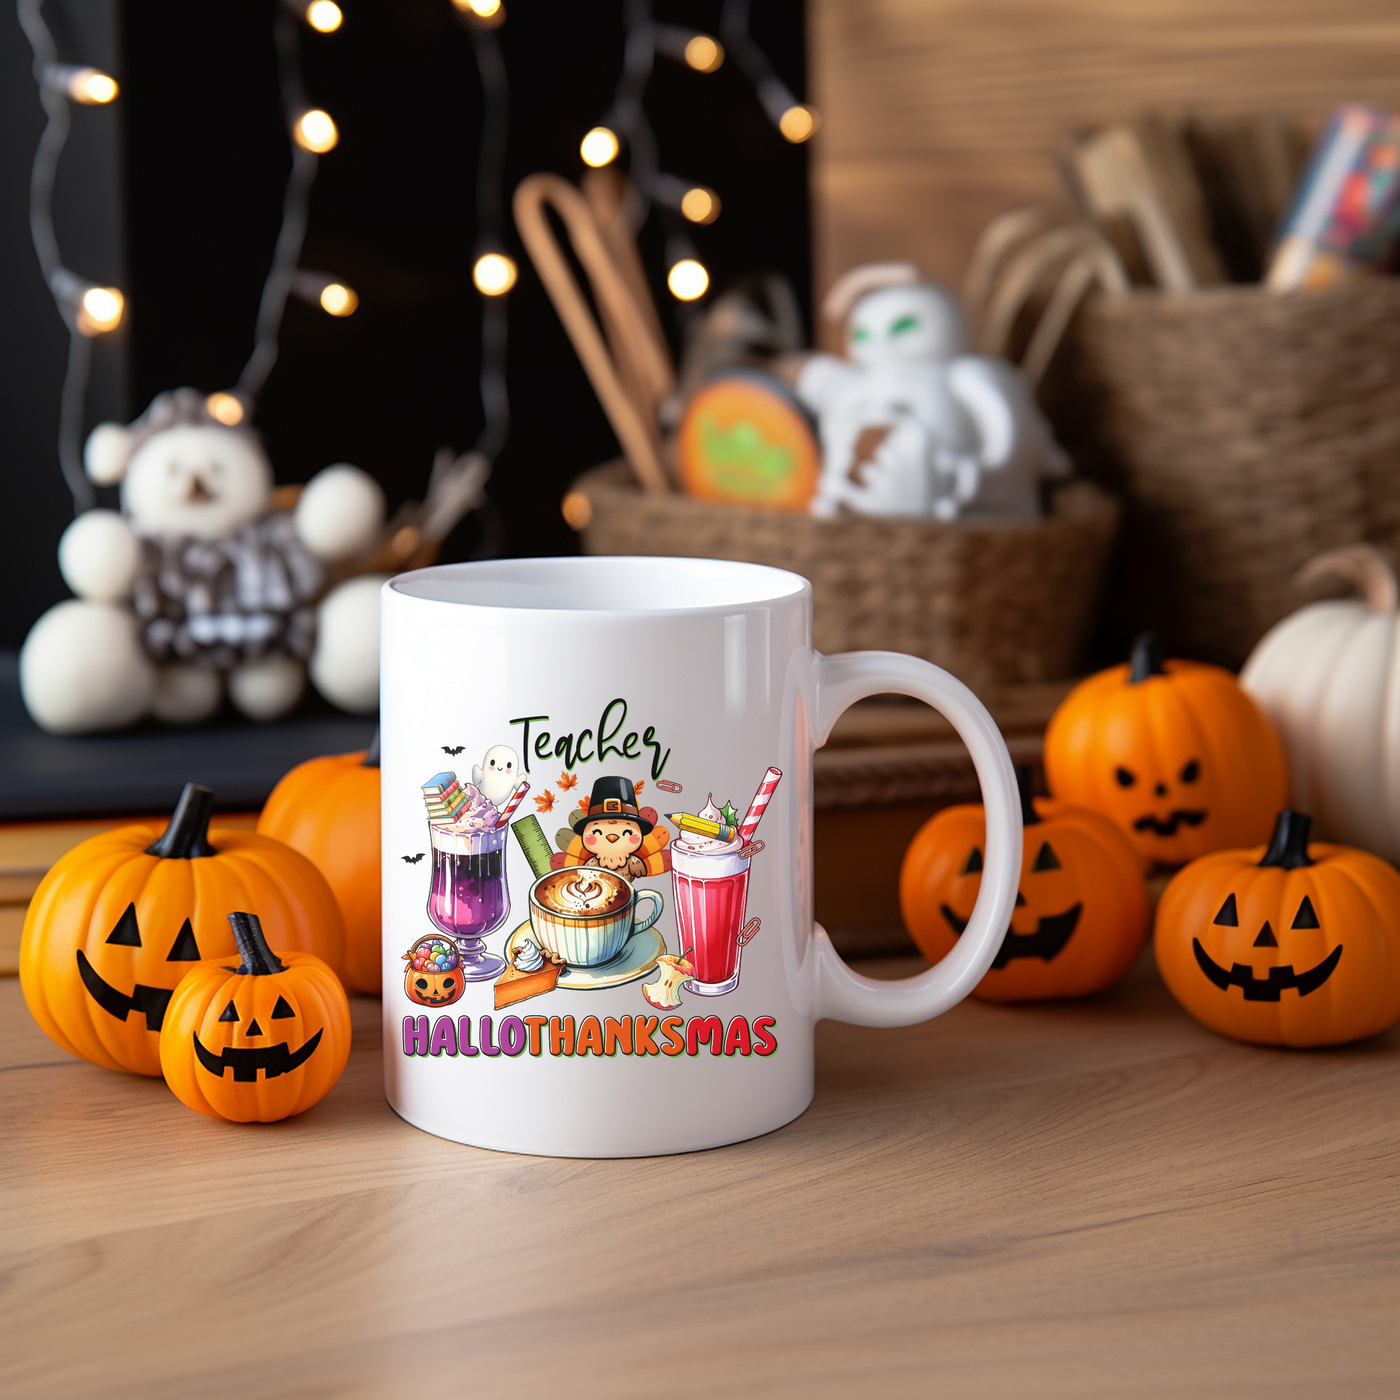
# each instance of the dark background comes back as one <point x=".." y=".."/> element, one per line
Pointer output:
<point x="174" y="194"/>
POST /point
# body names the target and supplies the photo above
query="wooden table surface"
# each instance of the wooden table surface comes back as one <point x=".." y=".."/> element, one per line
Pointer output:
<point x="1092" y="1199"/>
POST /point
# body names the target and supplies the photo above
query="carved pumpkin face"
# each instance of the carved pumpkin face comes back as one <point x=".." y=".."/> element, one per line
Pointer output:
<point x="1174" y="751"/>
<point x="1294" y="945"/>
<point x="433" y="976"/>
<point x="121" y="918"/>
<point x="1081" y="913"/>
<point x="259" y="1039"/>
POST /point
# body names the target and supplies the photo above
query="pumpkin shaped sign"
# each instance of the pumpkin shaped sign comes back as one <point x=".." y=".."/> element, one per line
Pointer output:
<point x="1174" y="751"/>
<point x="1081" y="914"/>
<point x="1293" y="945"/>
<point x="744" y="437"/>
<point x="257" y="1041"/>
<point x="116" y="923"/>
<point x="1327" y="678"/>
<point x="328" y="809"/>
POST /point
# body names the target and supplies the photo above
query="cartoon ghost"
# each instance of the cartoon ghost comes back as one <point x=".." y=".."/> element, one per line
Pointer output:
<point x="912" y="423"/>
<point x="612" y="829"/>
<point x="498" y="774"/>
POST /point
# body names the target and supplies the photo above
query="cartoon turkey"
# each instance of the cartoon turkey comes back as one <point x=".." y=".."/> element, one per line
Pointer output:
<point x="611" y="831"/>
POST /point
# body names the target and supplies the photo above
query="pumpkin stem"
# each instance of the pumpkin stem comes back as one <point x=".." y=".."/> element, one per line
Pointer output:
<point x="1364" y="567"/>
<point x="258" y="958"/>
<point x="371" y="759"/>
<point x="1029" y="816"/>
<point x="187" y="836"/>
<point x="1289" y="847"/>
<point x="1146" y="658"/>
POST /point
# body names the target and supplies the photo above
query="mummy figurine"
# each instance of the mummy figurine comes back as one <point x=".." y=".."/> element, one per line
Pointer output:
<point x="199" y="586"/>
<point x="911" y="422"/>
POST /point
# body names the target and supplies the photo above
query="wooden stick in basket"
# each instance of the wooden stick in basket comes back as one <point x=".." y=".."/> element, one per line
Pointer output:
<point x="643" y="364"/>
<point x="635" y="428"/>
<point x="611" y="199"/>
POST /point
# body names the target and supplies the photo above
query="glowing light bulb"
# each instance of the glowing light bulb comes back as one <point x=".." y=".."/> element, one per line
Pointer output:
<point x="324" y="16"/>
<point x="577" y="510"/>
<point x="100" y="309"/>
<point x="338" y="300"/>
<point x="494" y="274"/>
<point x="482" y="9"/>
<point x="315" y="131"/>
<point x="798" y="123"/>
<point x="91" y="86"/>
<point x="599" y="147"/>
<point x="699" y="205"/>
<point x="226" y="408"/>
<point x="704" y="54"/>
<point x="687" y="279"/>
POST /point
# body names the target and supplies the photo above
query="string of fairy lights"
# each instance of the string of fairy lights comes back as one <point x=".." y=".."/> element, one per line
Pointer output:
<point x="90" y="310"/>
<point x="87" y="309"/>
<point x="626" y="126"/>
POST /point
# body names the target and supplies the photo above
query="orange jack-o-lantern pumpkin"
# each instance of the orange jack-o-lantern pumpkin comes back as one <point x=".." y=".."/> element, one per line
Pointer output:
<point x="328" y="809"/>
<point x="117" y="922"/>
<point x="433" y="976"/>
<point x="1081" y="915"/>
<point x="1293" y="945"/>
<point x="258" y="1039"/>
<point x="1174" y="751"/>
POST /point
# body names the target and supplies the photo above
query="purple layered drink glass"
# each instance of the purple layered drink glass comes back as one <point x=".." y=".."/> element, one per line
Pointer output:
<point x="468" y="898"/>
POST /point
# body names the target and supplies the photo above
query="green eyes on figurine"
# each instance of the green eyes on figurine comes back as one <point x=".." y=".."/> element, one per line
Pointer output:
<point x="902" y="326"/>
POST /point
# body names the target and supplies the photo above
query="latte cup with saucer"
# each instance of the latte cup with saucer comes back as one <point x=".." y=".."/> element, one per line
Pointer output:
<point x="585" y="914"/>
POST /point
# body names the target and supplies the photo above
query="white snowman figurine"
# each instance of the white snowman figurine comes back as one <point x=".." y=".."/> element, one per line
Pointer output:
<point x="911" y="422"/>
<point x="198" y="584"/>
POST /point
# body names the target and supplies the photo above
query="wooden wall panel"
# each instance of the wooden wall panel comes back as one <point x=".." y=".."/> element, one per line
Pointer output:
<point x="940" y="114"/>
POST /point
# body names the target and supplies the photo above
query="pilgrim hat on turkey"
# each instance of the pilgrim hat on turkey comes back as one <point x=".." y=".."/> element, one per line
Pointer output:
<point x="612" y="797"/>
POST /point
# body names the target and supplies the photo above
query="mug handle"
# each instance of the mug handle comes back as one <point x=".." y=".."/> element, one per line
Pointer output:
<point x="843" y="995"/>
<point x="657" y="905"/>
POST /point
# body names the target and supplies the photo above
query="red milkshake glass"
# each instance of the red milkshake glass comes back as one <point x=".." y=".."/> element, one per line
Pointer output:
<point x="710" y="889"/>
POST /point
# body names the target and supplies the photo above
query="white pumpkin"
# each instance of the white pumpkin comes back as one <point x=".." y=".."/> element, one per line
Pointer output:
<point x="1328" y="677"/>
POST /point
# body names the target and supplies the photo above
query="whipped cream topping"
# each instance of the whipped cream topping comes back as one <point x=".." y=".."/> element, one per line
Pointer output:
<point x="528" y="957"/>
<point x="696" y="844"/>
<point x="479" y="814"/>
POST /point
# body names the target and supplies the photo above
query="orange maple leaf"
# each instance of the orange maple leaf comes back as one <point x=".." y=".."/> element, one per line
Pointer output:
<point x="545" y="801"/>
<point x="567" y="781"/>
<point x="637" y="787"/>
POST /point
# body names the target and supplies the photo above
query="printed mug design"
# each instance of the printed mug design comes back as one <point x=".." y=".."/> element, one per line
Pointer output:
<point x="591" y="911"/>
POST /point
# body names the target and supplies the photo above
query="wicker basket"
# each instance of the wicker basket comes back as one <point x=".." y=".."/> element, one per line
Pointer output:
<point x="996" y="603"/>
<point x="1246" y="432"/>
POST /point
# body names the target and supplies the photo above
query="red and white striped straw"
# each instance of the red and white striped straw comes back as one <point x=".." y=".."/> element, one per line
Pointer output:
<point x="754" y="815"/>
<point x="516" y="798"/>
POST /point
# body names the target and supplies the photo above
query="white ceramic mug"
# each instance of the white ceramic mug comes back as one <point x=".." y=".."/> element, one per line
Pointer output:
<point x="626" y="692"/>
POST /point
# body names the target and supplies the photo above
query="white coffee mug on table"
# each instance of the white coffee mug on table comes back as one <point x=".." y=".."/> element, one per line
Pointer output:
<point x="626" y="692"/>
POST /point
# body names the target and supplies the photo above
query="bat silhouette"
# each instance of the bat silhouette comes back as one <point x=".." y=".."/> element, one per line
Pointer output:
<point x="453" y="752"/>
<point x="412" y="860"/>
